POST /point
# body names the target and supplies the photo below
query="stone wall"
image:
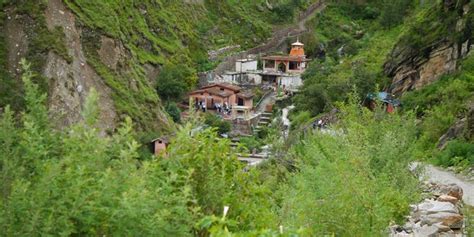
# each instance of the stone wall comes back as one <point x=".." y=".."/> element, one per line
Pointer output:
<point x="439" y="215"/>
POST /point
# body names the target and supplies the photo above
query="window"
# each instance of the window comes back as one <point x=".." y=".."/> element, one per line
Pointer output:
<point x="270" y="64"/>
<point x="293" y="65"/>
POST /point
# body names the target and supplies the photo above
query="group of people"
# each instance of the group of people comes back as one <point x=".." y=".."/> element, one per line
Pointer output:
<point x="224" y="109"/>
<point x="220" y="108"/>
<point x="200" y="105"/>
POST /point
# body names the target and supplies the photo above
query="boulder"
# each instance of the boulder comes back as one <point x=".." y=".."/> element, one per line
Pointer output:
<point x="426" y="231"/>
<point x="430" y="207"/>
<point x="447" y="198"/>
<point x="452" y="190"/>
<point x="452" y="220"/>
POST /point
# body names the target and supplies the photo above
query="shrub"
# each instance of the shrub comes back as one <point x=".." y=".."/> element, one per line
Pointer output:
<point x="457" y="153"/>
<point x="173" y="110"/>
<point x="217" y="122"/>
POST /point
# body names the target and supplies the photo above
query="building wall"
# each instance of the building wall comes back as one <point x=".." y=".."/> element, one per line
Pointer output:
<point x="254" y="78"/>
<point x="160" y="148"/>
<point x="247" y="79"/>
<point x="230" y="78"/>
<point x="290" y="82"/>
<point x="246" y="66"/>
<point x="248" y="103"/>
<point x="211" y="99"/>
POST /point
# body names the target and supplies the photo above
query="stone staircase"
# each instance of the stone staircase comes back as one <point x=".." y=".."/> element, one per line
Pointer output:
<point x="264" y="121"/>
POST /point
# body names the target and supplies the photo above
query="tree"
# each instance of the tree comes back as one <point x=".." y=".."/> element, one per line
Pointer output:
<point x="393" y="12"/>
<point x="173" y="110"/>
<point x="174" y="80"/>
<point x="217" y="122"/>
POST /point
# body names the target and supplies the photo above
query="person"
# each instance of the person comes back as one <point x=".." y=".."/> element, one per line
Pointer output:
<point x="203" y="107"/>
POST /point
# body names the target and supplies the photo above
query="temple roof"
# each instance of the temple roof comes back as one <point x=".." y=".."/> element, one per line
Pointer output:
<point x="297" y="43"/>
<point x="287" y="58"/>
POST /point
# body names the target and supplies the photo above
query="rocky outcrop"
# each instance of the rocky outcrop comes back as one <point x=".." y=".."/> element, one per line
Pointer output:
<point x="463" y="128"/>
<point x="71" y="82"/>
<point x="81" y="59"/>
<point x="438" y="215"/>
<point x="414" y="67"/>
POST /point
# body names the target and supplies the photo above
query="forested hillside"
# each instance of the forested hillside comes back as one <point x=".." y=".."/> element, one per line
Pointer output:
<point x="86" y="85"/>
<point x="119" y="47"/>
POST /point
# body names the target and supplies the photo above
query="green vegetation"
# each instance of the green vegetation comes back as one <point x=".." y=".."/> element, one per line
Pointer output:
<point x="434" y="24"/>
<point x="457" y="153"/>
<point x="76" y="182"/>
<point x="174" y="81"/>
<point x="217" y="122"/>
<point x="43" y="41"/>
<point x="330" y="78"/>
<point x="353" y="182"/>
<point x="251" y="143"/>
<point x="439" y="105"/>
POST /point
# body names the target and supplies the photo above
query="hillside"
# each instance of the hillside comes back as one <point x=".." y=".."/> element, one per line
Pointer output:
<point x="104" y="130"/>
<point x="119" y="47"/>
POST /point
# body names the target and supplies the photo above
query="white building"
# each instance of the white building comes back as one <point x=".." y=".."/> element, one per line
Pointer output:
<point x="246" y="65"/>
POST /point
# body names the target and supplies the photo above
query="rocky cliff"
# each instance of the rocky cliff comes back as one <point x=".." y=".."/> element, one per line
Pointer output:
<point x="432" y="46"/>
<point x="53" y="39"/>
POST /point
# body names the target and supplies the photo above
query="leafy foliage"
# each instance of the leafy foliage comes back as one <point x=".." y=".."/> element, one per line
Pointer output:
<point x="217" y="122"/>
<point x="353" y="53"/>
<point x="439" y="105"/>
<point x="355" y="180"/>
<point x="457" y="153"/>
<point x="77" y="182"/>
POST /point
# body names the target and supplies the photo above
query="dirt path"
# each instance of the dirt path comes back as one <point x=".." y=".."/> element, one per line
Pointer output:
<point x="438" y="175"/>
<point x="269" y="98"/>
<point x="276" y="41"/>
<point x="286" y="121"/>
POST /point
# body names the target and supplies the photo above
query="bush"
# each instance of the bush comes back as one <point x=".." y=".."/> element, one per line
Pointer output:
<point x="174" y="80"/>
<point x="173" y="110"/>
<point x="250" y="143"/>
<point x="356" y="181"/>
<point x="457" y="153"/>
<point x="215" y="121"/>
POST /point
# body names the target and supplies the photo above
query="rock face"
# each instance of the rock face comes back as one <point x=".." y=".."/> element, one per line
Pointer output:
<point x="71" y="82"/>
<point x="412" y="68"/>
<point x="438" y="216"/>
<point x="70" y="75"/>
<point x="461" y="128"/>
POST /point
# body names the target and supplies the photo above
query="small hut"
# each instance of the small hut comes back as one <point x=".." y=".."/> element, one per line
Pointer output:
<point x="388" y="101"/>
<point x="158" y="146"/>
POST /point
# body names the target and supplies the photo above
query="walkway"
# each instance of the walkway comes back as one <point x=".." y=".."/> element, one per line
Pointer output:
<point x="286" y="121"/>
<point x="268" y="99"/>
<point x="437" y="175"/>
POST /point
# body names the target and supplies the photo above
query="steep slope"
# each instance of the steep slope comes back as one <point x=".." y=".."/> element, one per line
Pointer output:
<point x="432" y="46"/>
<point x="118" y="47"/>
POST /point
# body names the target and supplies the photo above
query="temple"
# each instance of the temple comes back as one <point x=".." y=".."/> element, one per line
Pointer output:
<point x="286" y="70"/>
<point x="293" y="63"/>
